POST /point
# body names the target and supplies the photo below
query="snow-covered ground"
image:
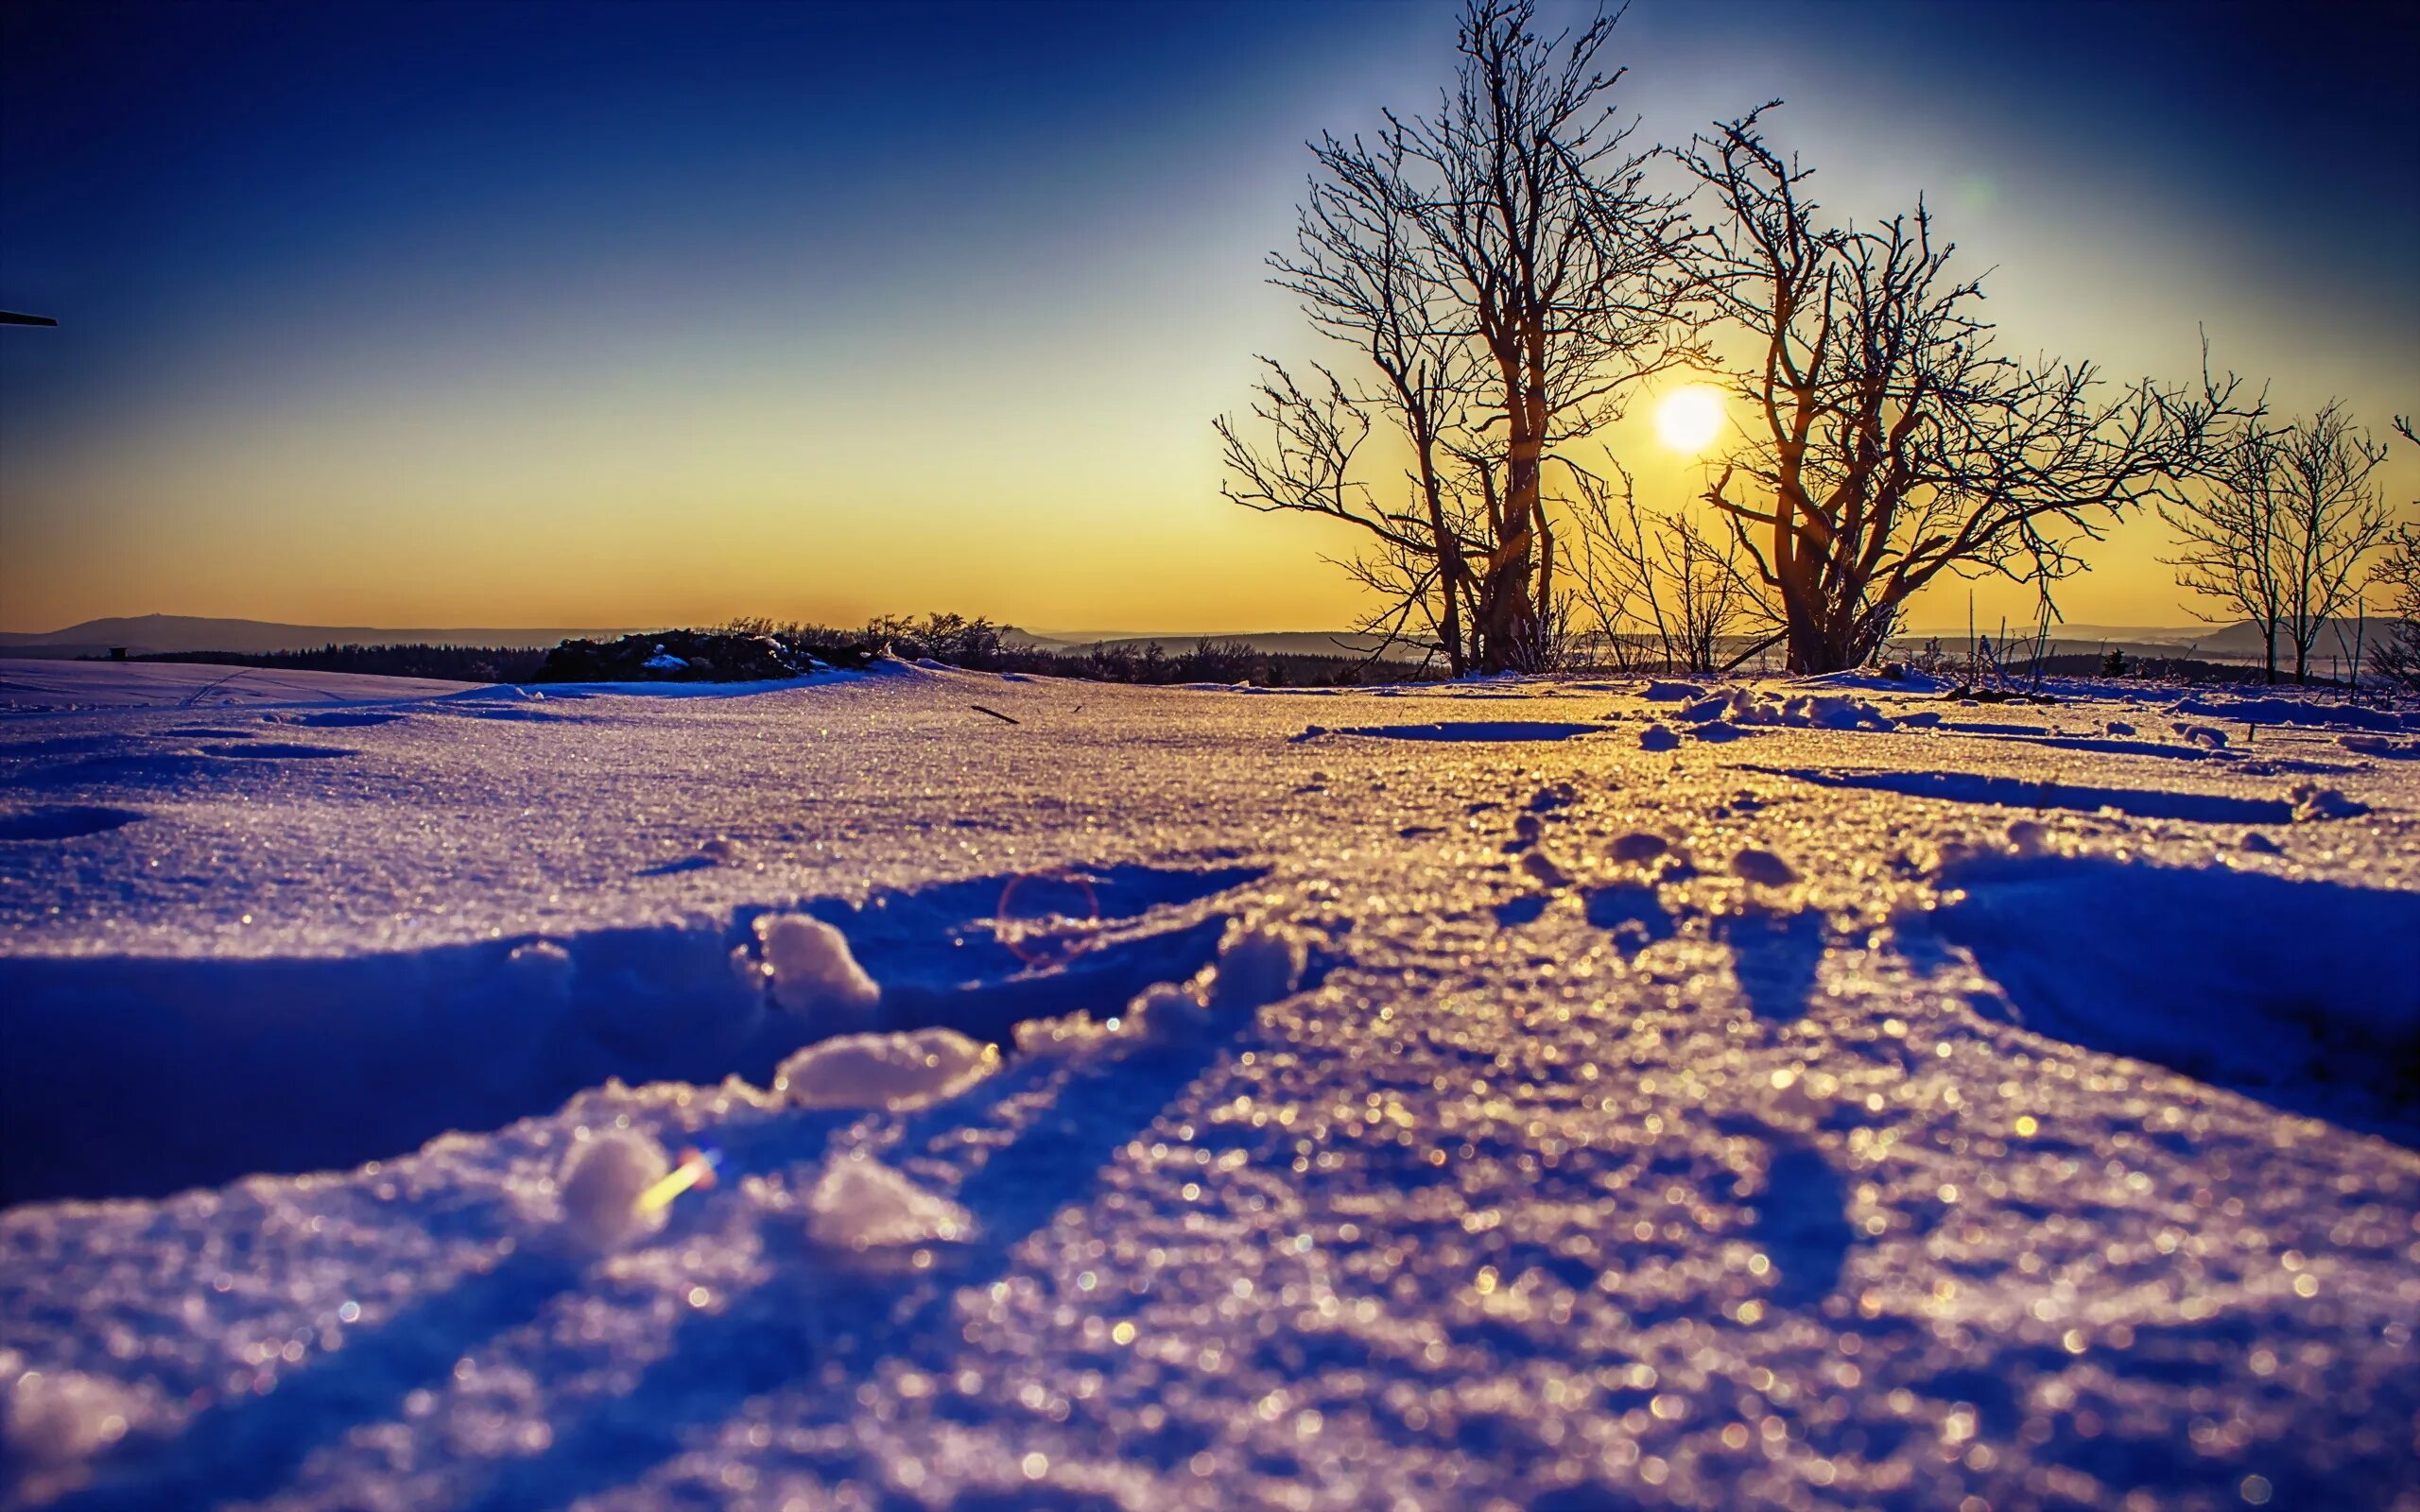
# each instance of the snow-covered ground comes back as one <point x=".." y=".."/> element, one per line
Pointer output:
<point x="1514" y="1096"/>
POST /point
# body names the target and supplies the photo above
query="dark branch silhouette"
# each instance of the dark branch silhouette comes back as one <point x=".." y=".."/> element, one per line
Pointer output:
<point x="1890" y="443"/>
<point x="1507" y="275"/>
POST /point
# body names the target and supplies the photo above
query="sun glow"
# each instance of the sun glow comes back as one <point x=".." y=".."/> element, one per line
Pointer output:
<point x="1689" y="418"/>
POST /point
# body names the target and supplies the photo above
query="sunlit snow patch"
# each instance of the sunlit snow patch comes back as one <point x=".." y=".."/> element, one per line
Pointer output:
<point x="887" y="1071"/>
<point x="861" y="1204"/>
<point x="813" y="973"/>
<point x="52" y="1422"/>
<point x="1258" y="963"/>
<point x="601" y="1186"/>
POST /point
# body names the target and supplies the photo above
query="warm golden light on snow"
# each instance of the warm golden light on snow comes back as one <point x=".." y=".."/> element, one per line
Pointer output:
<point x="1689" y="418"/>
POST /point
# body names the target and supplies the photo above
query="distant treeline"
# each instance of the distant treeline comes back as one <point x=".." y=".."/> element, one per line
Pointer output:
<point x="2152" y="668"/>
<point x="978" y="644"/>
<point x="453" y="663"/>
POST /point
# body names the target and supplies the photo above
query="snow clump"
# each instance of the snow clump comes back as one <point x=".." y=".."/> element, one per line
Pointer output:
<point x="2377" y="746"/>
<point x="1544" y="869"/>
<point x="1064" y="1038"/>
<point x="813" y="973"/>
<point x="2028" y="837"/>
<point x="1763" y="868"/>
<point x="861" y="1204"/>
<point x="1805" y="711"/>
<point x="2312" y="801"/>
<point x="1638" y="847"/>
<point x="600" y="1192"/>
<point x="1257" y="964"/>
<point x="1658" y="737"/>
<point x="897" y="1072"/>
<point x="1169" y="1013"/>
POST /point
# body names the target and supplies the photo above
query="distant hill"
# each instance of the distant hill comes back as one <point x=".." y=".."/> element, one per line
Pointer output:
<point x="1268" y="642"/>
<point x="2244" y="640"/>
<point x="2239" y="642"/>
<point x="157" y="634"/>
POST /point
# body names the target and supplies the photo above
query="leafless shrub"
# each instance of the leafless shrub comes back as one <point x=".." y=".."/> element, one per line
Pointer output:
<point x="2281" y="532"/>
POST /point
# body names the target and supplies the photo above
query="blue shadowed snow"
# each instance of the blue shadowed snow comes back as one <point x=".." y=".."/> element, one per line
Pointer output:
<point x="2302" y="993"/>
<point x="1535" y="1122"/>
<point x="143" y="1076"/>
<point x="2021" y="793"/>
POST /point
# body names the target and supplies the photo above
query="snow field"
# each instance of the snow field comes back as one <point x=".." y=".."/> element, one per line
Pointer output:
<point x="1428" y="1111"/>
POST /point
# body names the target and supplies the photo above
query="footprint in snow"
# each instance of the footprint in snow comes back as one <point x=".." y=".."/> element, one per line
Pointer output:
<point x="72" y="821"/>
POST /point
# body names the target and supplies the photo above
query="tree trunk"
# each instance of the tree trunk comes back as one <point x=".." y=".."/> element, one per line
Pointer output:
<point x="1508" y="623"/>
<point x="1508" y="609"/>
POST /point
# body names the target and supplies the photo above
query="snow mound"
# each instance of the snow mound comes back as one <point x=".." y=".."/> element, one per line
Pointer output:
<point x="1672" y="692"/>
<point x="861" y="1204"/>
<point x="1257" y="964"/>
<point x="1544" y="871"/>
<point x="1069" y="1036"/>
<point x="2293" y="711"/>
<point x="1763" y="868"/>
<point x="813" y="973"/>
<point x="1658" y="737"/>
<point x="600" y="1192"/>
<point x="1747" y="707"/>
<point x="1893" y="676"/>
<point x="896" y="1072"/>
<point x="1637" y="848"/>
<point x="2378" y="746"/>
<point x="1167" y="1013"/>
<point x="2302" y="993"/>
<point x="2313" y="802"/>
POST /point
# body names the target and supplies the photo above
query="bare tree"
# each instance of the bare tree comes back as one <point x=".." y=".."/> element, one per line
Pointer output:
<point x="2398" y="572"/>
<point x="2398" y="658"/>
<point x="2228" y="530"/>
<point x="1665" y="581"/>
<point x="1889" y="442"/>
<point x="2283" y="535"/>
<point x="1506" y="275"/>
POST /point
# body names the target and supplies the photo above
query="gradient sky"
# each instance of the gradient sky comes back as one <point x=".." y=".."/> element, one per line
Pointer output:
<point x="626" y="315"/>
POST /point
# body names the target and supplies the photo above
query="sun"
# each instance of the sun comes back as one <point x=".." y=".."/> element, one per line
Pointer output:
<point x="1689" y="418"/>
